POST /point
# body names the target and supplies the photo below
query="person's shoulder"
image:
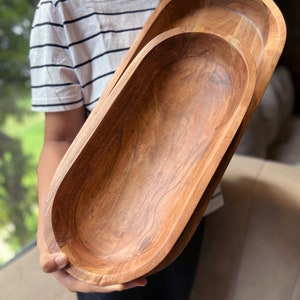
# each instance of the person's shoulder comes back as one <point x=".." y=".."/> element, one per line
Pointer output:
<point x="51" y="10"/>
<point x="52" y="2"/>
<point x="58" y="3"/>
<point x="55" y="5"/>
<point x="47" y="3"/>
<point x="61" y="8"/>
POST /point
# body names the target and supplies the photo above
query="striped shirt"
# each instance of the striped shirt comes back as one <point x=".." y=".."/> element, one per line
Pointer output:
<point x="76" y="46"/>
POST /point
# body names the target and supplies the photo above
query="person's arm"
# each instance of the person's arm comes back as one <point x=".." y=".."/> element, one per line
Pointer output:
<point x="60" y="130"/>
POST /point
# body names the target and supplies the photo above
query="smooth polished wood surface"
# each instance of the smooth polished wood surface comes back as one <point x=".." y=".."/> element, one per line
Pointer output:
<point x="119" y="210"/>
<point x="266" y="62"/>
<point x="258" y="24"/>
<point x="122" y="237"/>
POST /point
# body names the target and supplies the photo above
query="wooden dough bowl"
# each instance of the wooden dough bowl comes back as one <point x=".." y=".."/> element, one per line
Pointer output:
<point x="257" y="24"/>
<point x="123" y="195"/>
<point x="107" y="159"/>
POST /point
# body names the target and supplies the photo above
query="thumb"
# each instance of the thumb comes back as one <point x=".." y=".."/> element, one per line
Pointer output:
<point x="53" y="262"/>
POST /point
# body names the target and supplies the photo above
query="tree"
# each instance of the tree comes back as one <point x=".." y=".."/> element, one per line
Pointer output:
<point x="16" y="199"/>
<point x="13" y="194"/>
<point x="15" y="23"/>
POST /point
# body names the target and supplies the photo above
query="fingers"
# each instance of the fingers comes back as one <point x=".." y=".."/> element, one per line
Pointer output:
<point x="55" y="263"/>
<point x="75" y="285"/>
<point x="51" y="263"/>
<point x="135" y="283"/>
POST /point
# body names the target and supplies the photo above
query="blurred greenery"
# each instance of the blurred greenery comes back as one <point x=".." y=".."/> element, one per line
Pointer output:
<point x="18" y="200"/>
<point x="20" y="130"/>
<point x="15" y="23"/>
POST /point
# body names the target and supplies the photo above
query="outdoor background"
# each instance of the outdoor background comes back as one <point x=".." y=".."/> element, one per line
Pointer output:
<point x="20" y="131"/>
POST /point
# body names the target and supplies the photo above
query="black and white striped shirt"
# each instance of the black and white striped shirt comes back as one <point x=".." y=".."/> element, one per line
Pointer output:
<point x="76" y="45"/>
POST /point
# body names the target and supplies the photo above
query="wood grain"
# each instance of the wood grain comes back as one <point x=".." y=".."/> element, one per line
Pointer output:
<point x="125" y="199"/>
<point x="274" y="31"/>
<point x="119" y="210"/>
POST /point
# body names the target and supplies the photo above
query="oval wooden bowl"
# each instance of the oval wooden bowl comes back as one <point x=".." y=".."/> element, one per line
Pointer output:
<point x="262" y="31"/>
<point x="128" y="186"/>
<point x="257" y="24"/>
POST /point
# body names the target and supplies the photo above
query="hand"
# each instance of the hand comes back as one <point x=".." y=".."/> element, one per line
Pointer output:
<point x="55" y="264"/>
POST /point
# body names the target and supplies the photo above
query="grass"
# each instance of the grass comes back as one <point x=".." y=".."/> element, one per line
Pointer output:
<point x="30" y="133"/>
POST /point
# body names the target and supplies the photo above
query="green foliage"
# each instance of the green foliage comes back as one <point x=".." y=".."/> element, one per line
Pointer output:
<point x="13" y="165"/>
<point x="19" y="150"/>
<point x="15" y="23"/>
<point x="18" y="200"/>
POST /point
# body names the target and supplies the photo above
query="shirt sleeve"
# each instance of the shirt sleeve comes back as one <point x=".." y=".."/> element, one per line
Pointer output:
<point x="54" y="84"/>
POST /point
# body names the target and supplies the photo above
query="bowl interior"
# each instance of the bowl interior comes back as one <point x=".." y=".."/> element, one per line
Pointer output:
<point x="125" y="200"/>
<point x="260" y="27"/>
<point x="257" y="24"/>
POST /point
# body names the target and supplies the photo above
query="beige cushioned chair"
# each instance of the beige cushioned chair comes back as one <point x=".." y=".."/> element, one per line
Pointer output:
<point x="251" y="246"/>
